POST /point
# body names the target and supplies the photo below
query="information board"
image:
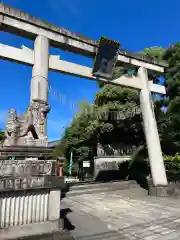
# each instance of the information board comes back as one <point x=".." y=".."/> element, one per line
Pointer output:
<point x="86" y="164"/>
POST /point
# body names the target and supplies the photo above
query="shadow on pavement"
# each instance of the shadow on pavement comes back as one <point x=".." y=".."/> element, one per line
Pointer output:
<point x="64" y="191"/>
<point x="67" y="224"/>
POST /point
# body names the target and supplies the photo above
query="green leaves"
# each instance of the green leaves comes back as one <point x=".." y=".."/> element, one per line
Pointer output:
<point x="2" y="136"/>
<point x="171" y="124"/>
<point x="106" y="128"/>
<point x="115" y="93"/>
<point x="172" y="80"/>
<point x="154" y="53"/>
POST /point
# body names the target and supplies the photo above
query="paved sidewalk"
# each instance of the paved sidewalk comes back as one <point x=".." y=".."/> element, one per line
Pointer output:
<point x="124" y="214"/>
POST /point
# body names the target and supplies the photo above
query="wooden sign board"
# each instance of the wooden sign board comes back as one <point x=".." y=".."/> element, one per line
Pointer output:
<point x="106" y="58"/>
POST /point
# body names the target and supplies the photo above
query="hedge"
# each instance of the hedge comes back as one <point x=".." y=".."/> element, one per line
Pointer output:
<point x="138" y="170"/>
<point x="172" y="165"/>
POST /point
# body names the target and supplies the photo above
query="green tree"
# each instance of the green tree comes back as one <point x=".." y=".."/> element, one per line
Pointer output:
<point x="80" y="136"/>
<point x="59" y="150"/>
<point x="155" y="54"/>
<point x="171" y="121"/>
<point x="125" y="100"/>
<point x="2" y="136"/>
<point x="118" y="115"/>
<point x="168" y="121"/>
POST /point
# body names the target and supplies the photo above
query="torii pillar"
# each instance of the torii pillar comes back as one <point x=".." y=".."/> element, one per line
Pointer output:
<point x="151" y="132"/>
<point x="39" y="84"/>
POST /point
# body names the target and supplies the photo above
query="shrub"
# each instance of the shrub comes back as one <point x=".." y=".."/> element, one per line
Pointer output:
<point x="138" y="170"/>
<point x="172" y="165"/>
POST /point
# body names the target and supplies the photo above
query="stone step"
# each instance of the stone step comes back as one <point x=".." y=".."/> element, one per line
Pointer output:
<point x="94" y="185"/>
<point x="111" y="235"/>
<point x="36" y="231"/>
<point x="88" y="191"/>
<point x="81" y="184"/>
<point x="98" y="187"/>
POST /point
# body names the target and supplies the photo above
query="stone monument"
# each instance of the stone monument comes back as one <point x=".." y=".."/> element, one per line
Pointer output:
<point x="107" y="161"/>
<point x="30" y="195"/>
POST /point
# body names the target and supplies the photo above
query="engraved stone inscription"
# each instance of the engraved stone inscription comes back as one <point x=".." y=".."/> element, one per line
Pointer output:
<point x="26" y="167"/>
<point x="24" y="174"/>
<point x="14" y="184"/>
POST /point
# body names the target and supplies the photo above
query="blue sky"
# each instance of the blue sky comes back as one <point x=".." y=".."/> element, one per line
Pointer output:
<point x="135" y="23"/>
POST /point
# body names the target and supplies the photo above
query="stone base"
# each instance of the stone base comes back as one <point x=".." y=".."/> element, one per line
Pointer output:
<point x="41" y="142"/>
<point x="29" y="206"/>
<point x="29" y="141"/>
<point x="22" y="152"/>
<point x="50" y="230"/>
<point x="158" y="191"/>
<point x="172" y="189"/>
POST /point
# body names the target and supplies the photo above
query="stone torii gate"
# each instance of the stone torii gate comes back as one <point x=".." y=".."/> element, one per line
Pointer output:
<point x="46" y="35"/>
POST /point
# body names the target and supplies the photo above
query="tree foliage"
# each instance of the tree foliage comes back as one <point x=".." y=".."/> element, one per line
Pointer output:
<point x="172" y="79"/>
<point x="2" y="137"/>
<point x="171" y="121"/>
<point x="80" y="136"/>
<point x="119" y="116"/>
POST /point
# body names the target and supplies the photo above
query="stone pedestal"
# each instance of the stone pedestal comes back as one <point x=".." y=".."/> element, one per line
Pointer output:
<point x="32" y="214"/>
<point x="30" y="193"/>
<point x="22" y="152"/>
<point x="21" y="207"/>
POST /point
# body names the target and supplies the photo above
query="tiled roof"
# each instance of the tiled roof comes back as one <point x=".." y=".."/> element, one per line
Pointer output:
<point x="53" y="143"/>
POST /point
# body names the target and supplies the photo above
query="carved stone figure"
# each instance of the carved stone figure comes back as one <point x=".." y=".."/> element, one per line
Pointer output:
<point x="29" y="128"/>
<point x="100" y="150"/>
<point x="40" y="110"/>
<point x="28" y="125"/>
<point x="12" y="128"/>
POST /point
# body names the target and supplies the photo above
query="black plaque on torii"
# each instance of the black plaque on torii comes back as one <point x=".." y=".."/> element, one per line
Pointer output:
<point x="106" y="58"/>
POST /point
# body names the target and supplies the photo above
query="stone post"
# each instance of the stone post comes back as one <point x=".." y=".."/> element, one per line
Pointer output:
<point x="54" y="204"/>
<point x="39" y="82"/>
<point x="151" y="132"/>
